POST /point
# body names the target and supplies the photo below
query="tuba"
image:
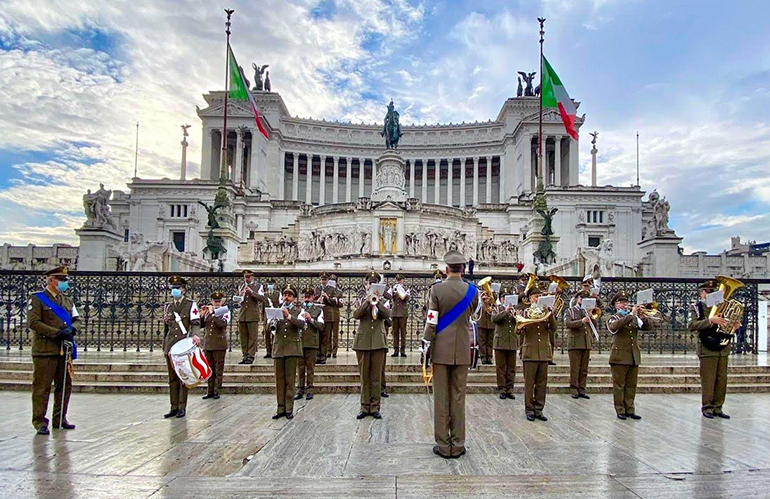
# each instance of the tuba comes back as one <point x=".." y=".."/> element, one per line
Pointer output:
<point x="532" y="280"/>
<point x="561" y="286"/>
<point x="730" y="309"/>
<point x="487" y="295"/>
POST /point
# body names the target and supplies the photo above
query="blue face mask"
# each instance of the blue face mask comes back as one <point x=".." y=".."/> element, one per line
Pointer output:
<point x="270" y="287"/>
<point x="62" y="286"/>
<point x="622" y="312"/>
<point x="308" y="304"/>
<point x="176" y="293"/>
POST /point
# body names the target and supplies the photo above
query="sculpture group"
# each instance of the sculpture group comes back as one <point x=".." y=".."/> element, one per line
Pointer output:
<point x="97" y="209"/>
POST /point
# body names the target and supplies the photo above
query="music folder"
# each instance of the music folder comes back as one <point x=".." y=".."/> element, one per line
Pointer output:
<point x="715" y="298"/>
<point x="511" y="300"/>
<point x="588" y="303"/>
<point x="645" y="296"/>
<point x="273" y="314"/>
<point x="546" y="301"/>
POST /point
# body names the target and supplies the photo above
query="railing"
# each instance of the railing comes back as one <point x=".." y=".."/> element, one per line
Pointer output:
<point x="123" y="310"/>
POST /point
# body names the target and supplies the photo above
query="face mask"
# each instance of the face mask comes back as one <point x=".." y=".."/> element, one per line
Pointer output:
<point x="62" y="286"/>
<point x="290" y="305"/>
<point x="270" y="287"/>
<point x="622" y="312"/>
<point x="308" y="304"/>
<point x="176" y="293"/>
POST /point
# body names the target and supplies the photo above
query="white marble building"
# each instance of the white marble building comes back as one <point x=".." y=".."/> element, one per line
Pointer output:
<point x="309" y="195"/>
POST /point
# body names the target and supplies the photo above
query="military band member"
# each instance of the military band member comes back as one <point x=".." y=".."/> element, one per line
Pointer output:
<point x="336" y="316"/>
<point x="215" y="341"/>
<point x="47" y="316"/>
<point x="581" y="336"/>
<point x="370" y="345"/>
<point x="249" y="318"/>
<point x="190" y="317"/>
<point x="313" y="315"/>
<point x="506" y="342"/>
<point x="713" y="363"/>
<point x="399" y="316"/>
<point x="625" y="356"/>
<point x="287" y="350"/>
<point x="587" y="285"/>
<point x="486" y="335"/>
<point x="454" y="299"/>
<point x="535" y="339"/>
<point x="272" y="300"/>
<point x="331" y="303"/>
<point x="438" y="276"/>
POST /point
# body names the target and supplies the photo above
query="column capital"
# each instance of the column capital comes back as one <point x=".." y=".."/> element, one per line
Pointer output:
<point x="476" y="159"/>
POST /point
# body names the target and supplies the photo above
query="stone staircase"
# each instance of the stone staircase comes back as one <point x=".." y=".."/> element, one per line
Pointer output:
<point x="151" y="377"/>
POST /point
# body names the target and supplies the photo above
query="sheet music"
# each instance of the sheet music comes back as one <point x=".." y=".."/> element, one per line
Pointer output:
<point x="552" y="287"/>
<point x="645" y="296"/>
<point x="375" y="288"/>
<point x="238" y="299"/>
<point x="273" y="314"/>
<point x="588" y="303"/>
<point x="715" y="298"/>
<point x="512" y="300"/>
<point x="495" y="287"/>
<point x="331" y="283"/>
<point x="546" y="301"/>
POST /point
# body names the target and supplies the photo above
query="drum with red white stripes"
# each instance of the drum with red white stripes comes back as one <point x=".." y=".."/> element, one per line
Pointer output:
<point x="189" y="363"/>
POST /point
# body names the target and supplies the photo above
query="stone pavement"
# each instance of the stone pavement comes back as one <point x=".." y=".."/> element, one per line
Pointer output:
<point x="230" y="448"/>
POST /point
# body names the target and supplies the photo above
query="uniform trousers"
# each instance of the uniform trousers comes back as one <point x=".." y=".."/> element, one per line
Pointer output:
<point x="535" y="386"/>
<point x="486" y="337"/>
<point x="370" y="364"/>
<point x="578" y="370"/>
<point x="285" y="372"/>
<point x="177" y="389"/>
<point x="399" y="334"/>
<point x="713" y="382"/>
<point x="216" y="360"/>
<point x="47" y="370"/>
<point x="306" y="370"/>
<point x="449" y="388"/>
<point x="505" y="365"/>
<point x="249" y="334"/>
<point x="624" y="387"/>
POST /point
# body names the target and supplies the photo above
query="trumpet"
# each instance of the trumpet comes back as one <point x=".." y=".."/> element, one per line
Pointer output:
<point x="374" y="301"/>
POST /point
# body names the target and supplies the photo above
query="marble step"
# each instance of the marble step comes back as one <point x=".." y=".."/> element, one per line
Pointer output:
<point x="353" y="388"/>
<point x="395" y="377"/>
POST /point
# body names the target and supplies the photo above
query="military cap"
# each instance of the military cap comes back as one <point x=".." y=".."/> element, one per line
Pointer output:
<point x="270" y="280"/>
<point x="247" y="272"/>
<point x="583" y="294"/>
<point x="710" y="284"/>
<point x="535" y="289"/>
<point x="373" y="277"/>
<point x="308" y="291"/>
<point x="290" y="290"/>
<point x="217" y="295"/>
<point x="399" y="277"/>
<point x="619" y="296"/>
<point x="437" y="274"/>
<point x="454" y="258"/>
<point x="323" y="275"/>
<point x="58" y="272"/>
<point x="176" y="280"/>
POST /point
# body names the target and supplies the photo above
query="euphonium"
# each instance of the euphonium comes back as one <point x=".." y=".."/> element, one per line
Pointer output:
<point x="730" y="309"/>
<point x="487" y="295"/>
<point x="561" y="286"/>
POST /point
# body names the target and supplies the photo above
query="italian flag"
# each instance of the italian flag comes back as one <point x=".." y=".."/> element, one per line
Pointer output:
<point x="240" y="92"/>
<point x="555" y="96"/>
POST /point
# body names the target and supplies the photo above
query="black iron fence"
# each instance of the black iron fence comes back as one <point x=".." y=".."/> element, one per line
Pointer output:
<point x="124" y="310"/>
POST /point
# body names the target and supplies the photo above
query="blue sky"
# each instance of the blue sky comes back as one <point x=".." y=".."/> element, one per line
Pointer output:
<point x="692" y="77"/>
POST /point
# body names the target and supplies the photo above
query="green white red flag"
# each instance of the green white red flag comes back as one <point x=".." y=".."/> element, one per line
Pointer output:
<point x="239" y="91"/>
<point x="555" y="96"/>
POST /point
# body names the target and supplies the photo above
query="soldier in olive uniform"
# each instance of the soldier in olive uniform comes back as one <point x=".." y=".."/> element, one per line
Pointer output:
<point x="625" y="355"/>
<point x="399" y="314"/>
<point x="713" y="363"/>
<point x="313" y="315"/>
<point x="331" y="302"/>
<point x="272" y="300"/>
<point x="215" y="342"/>
<point x="47" y="316"/>
<point x="370" y="345"/>
<point x="587" y="285"/>
<point x="249" y="318"/>
<point x="287" y="350"/>
<point x="336" y="316"/>
<point x="486" y="335"/>
<point x="578" y="322"/>
<point x="189" y="314"/>
<point x="506" y="342"/>
<point x="537" y="351"/>
<point x="450" y="354"/>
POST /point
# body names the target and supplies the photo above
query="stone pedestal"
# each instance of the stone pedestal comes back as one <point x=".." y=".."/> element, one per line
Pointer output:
<point x="231" y="242"/>
<point x="663" y="254"/>
<point x="532" y="242"/>
<point x="95" y="246"/>
<point x="390" y="181"/>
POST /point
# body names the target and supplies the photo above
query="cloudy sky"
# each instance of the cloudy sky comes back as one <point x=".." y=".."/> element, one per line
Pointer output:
<point x="692" y="77"/>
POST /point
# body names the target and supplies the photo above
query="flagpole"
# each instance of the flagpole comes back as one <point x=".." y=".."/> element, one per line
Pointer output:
<point x="223" y="169"/>
<point x="637" y="159"/>
<point x="136" y="151"/>
<point x="540" y="196"/>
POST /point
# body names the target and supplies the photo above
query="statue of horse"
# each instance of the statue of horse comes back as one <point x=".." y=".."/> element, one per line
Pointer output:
<point x="391" y="129"/>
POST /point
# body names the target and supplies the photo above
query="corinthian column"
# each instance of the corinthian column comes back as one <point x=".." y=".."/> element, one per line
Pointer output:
<point x="322" y="183"/>
<point x="348" y="186"/>
<point x="437" y="185"/>
<point x="336" y="179"/>
<point x="309" y="177"/>
<point x="450" y="164"/>
<point x="462" y="182"/>
<point x="475" y="181"/>
<point x="489" y="179"/>
<point x="295" y="177"/>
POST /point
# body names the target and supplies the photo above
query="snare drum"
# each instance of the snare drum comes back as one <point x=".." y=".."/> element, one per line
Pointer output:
<point x="189" y="363"/>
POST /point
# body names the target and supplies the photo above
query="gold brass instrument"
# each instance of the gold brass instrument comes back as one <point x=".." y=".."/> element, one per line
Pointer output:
<point x="730" y="309"/>
<point x="531" y="281"/>
<point x="534" y="314"/>
<point x="373" y="302"/>
<point x="487" y="295"/>
<point x="561" y="286"/>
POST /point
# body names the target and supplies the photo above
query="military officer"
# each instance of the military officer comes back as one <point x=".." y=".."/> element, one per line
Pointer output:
<point x="625" y="355"/>
<point x="449" y="341"/>
<point x="272" y="300"/>
<point x="399" y="316"/>
<point x="535" y="338"/>
<point x="249" y="318"/>
<point x="578" y="323"/>
<point x="190" y="317"/>
<point x="53" y="318"/>
<point x="506" y="342"/>
<point x="713" y="363"/>
<point x="336" y="316"/>
<point x="370" y="345"/>
<point x="215" y="341"/>
<point x="313" y="315"/>
<point x="287" y="350"/>
<point x="331" y="302"/>
<point x="486" y="335"/>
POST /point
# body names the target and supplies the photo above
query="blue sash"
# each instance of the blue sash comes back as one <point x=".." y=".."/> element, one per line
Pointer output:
<point x="62" y="314"/>
<point x="447" y="319"/>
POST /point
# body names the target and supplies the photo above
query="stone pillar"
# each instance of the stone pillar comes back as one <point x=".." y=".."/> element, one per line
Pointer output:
<point x="309" y="177"/>
<point x="501" y="184"/>
<point x="450" y="166"/>
<point x="206" y="154"/>
<point x="663" y="251"/>
<point x="238" y="166"/>
<point x="462" y="182"/>
<point x="437" y="180"/>
<point x="475" y="181"/>
<point x="594" y="150"/>
<point x="336" y="179"/>
<point x="216" y="156"/>
<point x="295" y="178"/>
<point x="361" y="178"/>
<point x="95" y="247"/>
<point x="281" y="172"/>
<point x="348" y="186"/>
<point x="489" y="179"/>
<point x="253" y="174"/>
<point x="424" y="180"/>
<point x="183" y="172"/>
<point x="322" y="183"/>
<point x="557" y="159"/>
<point x="574" y="147"/>
<point x="411" y="178"/>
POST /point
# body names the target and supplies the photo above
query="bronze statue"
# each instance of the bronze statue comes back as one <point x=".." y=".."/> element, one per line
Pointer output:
<point x="519" y="89"/>
<point x="258" y="72"/>
<point x="212" y="211"/>
<point x="545" y="251"/>
<point x="268" y="87"/>
<point x="391" y="129"/>
<point x="527" y="78"/>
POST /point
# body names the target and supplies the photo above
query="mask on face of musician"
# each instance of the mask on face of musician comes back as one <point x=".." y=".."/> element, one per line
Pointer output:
<point x="270" y="287"/>
<point x="623" y="312"/>
<point x="176" y="293"/>
<point x="62" y="286"/>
